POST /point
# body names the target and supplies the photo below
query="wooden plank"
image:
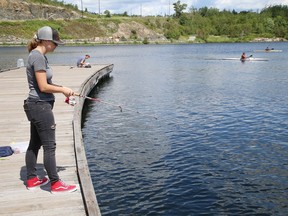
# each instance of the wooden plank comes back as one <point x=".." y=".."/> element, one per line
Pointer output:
<point x="15" y="199"/>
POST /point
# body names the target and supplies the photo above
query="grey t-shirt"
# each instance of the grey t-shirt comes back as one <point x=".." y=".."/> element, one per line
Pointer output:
<point x="36" y="62"/>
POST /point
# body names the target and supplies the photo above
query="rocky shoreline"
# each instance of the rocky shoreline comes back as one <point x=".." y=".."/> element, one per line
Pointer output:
<point x="15" y="41"/>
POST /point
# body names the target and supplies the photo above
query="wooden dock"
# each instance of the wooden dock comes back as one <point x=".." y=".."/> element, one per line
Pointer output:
<point x="72" y="166"/>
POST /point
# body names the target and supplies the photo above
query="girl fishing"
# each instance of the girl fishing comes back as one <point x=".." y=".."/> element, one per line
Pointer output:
<point x="38" y="108"/>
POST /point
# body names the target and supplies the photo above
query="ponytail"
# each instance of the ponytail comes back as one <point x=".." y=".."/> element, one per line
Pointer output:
<point x="32" y="44"/>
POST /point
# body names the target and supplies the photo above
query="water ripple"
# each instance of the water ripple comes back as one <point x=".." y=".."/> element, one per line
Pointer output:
<point x="219" y="146"/>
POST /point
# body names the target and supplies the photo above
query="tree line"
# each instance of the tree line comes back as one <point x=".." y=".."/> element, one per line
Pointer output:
<point x="271" y="22"/>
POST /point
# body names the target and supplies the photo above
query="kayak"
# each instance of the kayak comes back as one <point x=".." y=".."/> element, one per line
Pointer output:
<point x="247" y="59"/>
<point x="271" y="50"/>
<point x="254" y="59"/>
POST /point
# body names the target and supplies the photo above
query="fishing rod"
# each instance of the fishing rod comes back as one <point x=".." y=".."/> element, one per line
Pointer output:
<point x="98" y="100"/>
<point x="120" y="107"/>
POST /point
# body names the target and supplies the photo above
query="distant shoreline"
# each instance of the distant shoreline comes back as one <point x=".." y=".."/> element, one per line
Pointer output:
<point x="85" y="43"/>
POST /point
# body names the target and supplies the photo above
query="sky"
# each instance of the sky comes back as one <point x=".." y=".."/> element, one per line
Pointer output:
<point x="165" y="7"/>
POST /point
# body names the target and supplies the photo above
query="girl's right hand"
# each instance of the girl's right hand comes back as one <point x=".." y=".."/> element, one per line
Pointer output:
<point x="67" y="91"/>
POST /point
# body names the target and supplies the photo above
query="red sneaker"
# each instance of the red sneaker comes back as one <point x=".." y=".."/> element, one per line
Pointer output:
<point x="59" y="186"/>
<point x="36" y="182"/>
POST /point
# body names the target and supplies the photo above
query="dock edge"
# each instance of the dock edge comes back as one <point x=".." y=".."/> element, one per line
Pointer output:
<point x="87" y="189"/>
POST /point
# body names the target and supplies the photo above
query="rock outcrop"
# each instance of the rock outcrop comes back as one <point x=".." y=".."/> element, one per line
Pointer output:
<point x="23" y="10"/>
<point x="138" y="31"/>
<point x="96" y="32"/>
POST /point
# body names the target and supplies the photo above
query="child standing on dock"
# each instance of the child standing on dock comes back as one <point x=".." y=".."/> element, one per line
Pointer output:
<point x="38" y="108"/>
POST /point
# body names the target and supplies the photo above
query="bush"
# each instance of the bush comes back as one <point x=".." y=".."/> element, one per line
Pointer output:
<point x="145" y="41"/>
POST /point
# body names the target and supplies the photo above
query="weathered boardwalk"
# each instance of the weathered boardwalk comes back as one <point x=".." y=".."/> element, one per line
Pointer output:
<point x="15" y="199"/>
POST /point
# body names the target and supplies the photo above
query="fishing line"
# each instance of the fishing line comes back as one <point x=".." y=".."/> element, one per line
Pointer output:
<point x="169" y="122"/>
<point x="120" y="107"/>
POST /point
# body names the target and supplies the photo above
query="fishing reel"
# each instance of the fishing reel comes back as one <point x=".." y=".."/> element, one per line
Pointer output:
<point x="70" y="100"/>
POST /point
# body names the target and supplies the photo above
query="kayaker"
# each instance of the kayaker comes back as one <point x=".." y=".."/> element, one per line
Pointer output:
<point x="243" y="56"/>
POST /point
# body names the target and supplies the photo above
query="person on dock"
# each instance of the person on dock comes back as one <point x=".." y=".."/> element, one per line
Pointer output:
<point x="38" y="108"/>
<point x="81" y="62"/>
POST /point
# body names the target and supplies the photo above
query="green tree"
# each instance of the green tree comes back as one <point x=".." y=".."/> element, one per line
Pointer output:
<point x="179" y="8"/>
<point x="281" y="27"/>
<point x="276" y="10"/>
<point x="107" y="13"/>
<point x="172" y="30"/>
<point x="269" y="24"/>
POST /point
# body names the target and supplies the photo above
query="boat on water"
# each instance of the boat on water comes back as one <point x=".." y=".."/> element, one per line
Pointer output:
<point x="247" y="59"/>
<point x="268" y="50"/>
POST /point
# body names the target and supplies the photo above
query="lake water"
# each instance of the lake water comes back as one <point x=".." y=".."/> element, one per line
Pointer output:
<point x="197" y="135"/>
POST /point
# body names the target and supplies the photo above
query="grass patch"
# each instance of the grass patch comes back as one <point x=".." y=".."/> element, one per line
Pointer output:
<point x="220" y="39"/>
